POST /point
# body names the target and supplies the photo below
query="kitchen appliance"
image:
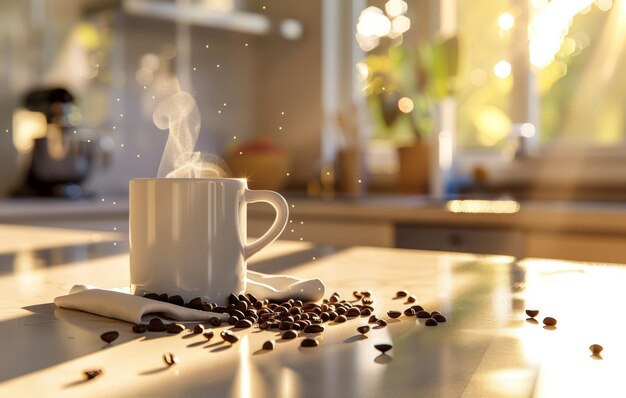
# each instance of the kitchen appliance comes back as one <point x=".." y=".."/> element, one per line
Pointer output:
<point x="57" y="153"/>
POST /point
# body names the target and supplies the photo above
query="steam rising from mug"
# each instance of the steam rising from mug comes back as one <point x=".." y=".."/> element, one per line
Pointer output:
<point x="179" y="114"/>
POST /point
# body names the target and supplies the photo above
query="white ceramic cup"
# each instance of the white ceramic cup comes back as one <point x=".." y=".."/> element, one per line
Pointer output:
<point x="188" y="235"/>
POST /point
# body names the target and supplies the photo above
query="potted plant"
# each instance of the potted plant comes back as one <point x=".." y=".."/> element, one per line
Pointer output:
<point x="402" y="88"/>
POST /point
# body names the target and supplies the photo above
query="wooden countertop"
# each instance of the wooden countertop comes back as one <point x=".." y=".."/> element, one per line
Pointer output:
<point x="487" y="347"/>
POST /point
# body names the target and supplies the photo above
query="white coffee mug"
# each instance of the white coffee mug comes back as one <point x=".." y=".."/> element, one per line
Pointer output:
<point x="188" y="235"/>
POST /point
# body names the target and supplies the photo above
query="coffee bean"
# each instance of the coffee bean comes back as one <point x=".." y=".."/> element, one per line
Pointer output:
<point x="284" y="325"/>
<point x="409" y="312"/>
<point x="367" y="307"/>
<point x="92" y="374"/>
<point x="220" y="310"/>
<point x="163" y="297"/>
<point x="316" y="320"/>
<point x="170" y="359"/>
<point x="258" y="305"/>
<point x="401" y="293"/>
<point x="430" y="322"/>
<point x="367" y="301"/>
<point x="353" y="313"/>
<point x="289" y="335"/>
<point x="139" y="328"/>
<point x="269" y="345"/>
<point x="357" y="295"/>
<point x="417" y="308"/>
<point x="244" y="324"/>
<point x="156" y="325"/>
<point x="175" y="328"/>
<point x="423" y="314"/>
<point x="207" y="307"/>
<point x="435" y="312"/>
<point x="176" y="300"/>
<point x="295" y="310"/>
<point x="237" y="313"/>
<point x="381" y="322"/>
<point x="549" y="321"/>
<point x="151" y="296"/>
<point x="532" y="313"/>
<point x="215" y="321"/>
<point x="341" y="319"/>
<point x="383" y="347"/>
<point x="196" y="303"/>
<point x="233" y="320"/>
<point x="439" y="318"/>
<point x="366" y="293"/>
<point x="252" y="299"/>
<point x="281" y="309"/>
<point x="332" y="315"/>
<point x="363" y="329"/>
<point x="208" y="335"/>
<point x="314" y="329"/>
<point x="411" y="299"/>
<point x="245" y="298"/>
<point x="596" y="349"/>
<point x="366" y="312"/>
<point x="109" y="337"/>
<point x="373" y="319"/>
<point x="229" y="337"/>
<point x="232" y="299"/>
<point x="324" y="316"/>
<point x="288" y="318"/>
<point x="333" y="299"/>
<point x="299" y="325"/>
<point x="242" y="306"/>
<point x="394" y="314"/>
<point x="309" y="342"/>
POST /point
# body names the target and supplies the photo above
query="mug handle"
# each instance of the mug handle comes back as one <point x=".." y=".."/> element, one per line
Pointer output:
<point x="282" y="214"/>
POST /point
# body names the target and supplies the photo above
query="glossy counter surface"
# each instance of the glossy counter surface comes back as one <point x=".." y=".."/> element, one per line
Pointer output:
<point x="487" y="347"/>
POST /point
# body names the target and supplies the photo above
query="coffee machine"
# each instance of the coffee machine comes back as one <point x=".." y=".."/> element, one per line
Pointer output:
<point x="58" y="154"/>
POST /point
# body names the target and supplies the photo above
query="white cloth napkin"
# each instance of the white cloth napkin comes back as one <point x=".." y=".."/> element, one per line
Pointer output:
<point x="120" y="304"/>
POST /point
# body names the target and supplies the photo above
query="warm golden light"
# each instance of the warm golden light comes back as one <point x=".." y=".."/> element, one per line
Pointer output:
<point x="483" y="206"/>
<point x="506" y="21"/>
<point x="502" y="69"/>
<point x="401" y="24"/>
<point x="28" y="126"/>
<point x="527" y="130"/>
<point x="395" y="8"/>
<point x="405" y="104"/>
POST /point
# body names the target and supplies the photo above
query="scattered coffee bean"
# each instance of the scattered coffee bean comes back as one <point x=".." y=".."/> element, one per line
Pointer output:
<point x="341" y="319"/>
<point x="383" y="347"/>
<point x="357" y="295"/>
<point x="366" y="312"/>
<point x="269" y="345"/>
<point x="314" y="329"/>
<point x="232" y="299"/>
<point x="423" y="314"/>
<point x="366" y="293"/>
<point x="289" y="335"/>
<point x="333" y="299"/>
<point x="309" y="342"/>
<point x="367" y="301"/>
<point x="435" y="312"/>
<point x="532" y="313"/>
<point x="596" y="349"/>
<point x="139" y="328"/>
<point x="373" y="319"/>
<point x="244" y="324"/>
<point x="176" y="300"/>
<point x="170" y="359"/>
<point x="233" y="320"/>
<point x="229" y="337"/>
<point x="417" y="308"/>
<point x="198" y="329"/>
<point x="325" y="316"/>
<point x="220" y="310"/>
<point x="394" y="314"/>
<point x="215" y="321"/>
<point x="363" y="329"/>
<point x="431" y="322"/>
<point x="242" y="306"/>
<point x="411" y="299"/>
<point x="237" y="313"/>
<point x="196" y="303"/>
<point x="151" y="296"/>
<point x="439" y="318"/>
<point x="353" y="312"/>
<point x="109" y="337"/>
<point x="156" y="325"/>
<point x="92" y="374"/>
<point x="401" y="293"/>
<point x="381" y="322"/>
<point x="409" y="312"/>
<point x="207" y="307"/>
<point x="175" y="328"/>
<point x="208" y="335"/>
<point x="549" y="321"/>
<point x="163" y="297"/>
<point x="252" y="299"/>
<point x="284" y="326"/>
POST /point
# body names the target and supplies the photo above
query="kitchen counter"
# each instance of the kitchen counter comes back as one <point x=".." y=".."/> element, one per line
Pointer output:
<point x="487" y="347"/>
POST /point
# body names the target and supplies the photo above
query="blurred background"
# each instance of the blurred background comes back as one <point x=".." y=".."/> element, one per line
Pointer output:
<point x="479" y="126"/>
